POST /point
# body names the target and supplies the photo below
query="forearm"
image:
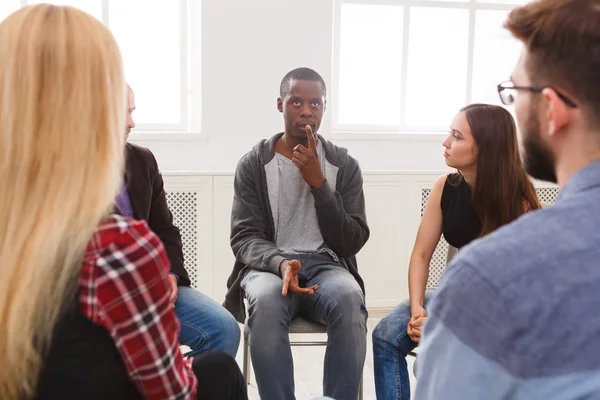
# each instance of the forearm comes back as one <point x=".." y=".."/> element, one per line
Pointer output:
<point x="173" y="245"/>
<point x="344" y="232"/>
<point x="418" y="273"/>
<point x="160" y="221"/>
<point x="256" y="253"/>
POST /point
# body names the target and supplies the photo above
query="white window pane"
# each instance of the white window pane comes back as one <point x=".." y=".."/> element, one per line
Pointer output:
<point x="93" y="7"/>
<point x="8" y="7"/>
<point x="370" y="64"/>
<point x="495" y="56"/>
<point x="437" y="65"/>
<point x="151" y="46"/>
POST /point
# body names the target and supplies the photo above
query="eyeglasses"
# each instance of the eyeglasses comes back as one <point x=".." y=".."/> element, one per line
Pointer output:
<point x="508" y="92"/>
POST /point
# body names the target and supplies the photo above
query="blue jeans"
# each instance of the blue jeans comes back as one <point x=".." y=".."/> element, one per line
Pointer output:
<point x="391" y="345"/>
<point x="338" y="303"/>
<point x="205" y="324"/>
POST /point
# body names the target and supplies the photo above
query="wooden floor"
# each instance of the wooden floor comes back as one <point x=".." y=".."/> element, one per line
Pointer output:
<point x="308" y="367"/>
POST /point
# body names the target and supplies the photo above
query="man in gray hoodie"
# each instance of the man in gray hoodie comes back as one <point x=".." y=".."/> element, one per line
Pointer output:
<point x="298" y="221"/>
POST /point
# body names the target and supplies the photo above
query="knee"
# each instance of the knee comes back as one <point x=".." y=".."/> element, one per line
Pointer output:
<point x="228" y="336"/>
<point x="263" y="291"/>
<point x="392" y="328"/>
<point x="230" y="327"/>
<point x="269" y="306"/>
<point x="348" y="306"/>
<point x="379" y="333"/>
<point x="385" y="341"/>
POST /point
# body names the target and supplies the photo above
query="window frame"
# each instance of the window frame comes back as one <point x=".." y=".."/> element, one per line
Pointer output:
<point x="190" y="84"/>
<point x="402" y="131"/>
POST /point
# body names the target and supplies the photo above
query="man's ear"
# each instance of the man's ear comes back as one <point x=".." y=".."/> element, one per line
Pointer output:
<point x="324" y="105"/>
<point x="558" y="114"/>
<point x="280" y="105"/>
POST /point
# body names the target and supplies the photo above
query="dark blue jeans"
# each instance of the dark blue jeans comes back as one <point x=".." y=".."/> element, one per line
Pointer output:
<point x="205" y="324"/>
<point x="391" y="345"/>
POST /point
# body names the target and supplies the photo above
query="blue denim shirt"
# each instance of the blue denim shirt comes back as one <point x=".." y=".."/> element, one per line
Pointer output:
<point x="516" y="314"/>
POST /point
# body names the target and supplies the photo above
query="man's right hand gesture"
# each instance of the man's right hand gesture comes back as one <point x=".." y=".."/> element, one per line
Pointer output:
<point x="289" y="273"/>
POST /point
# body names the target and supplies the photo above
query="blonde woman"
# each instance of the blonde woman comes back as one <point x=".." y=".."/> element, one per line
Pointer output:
<point x="84" y="296"/>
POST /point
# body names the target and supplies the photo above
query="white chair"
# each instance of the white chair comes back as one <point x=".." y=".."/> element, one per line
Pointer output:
<point x="298" y="325"/>
<point x="185" y="350"/>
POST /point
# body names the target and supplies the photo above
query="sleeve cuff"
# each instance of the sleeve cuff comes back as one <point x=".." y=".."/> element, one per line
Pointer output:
<point x="274" y="264"/>
<point x="323" y="193"/>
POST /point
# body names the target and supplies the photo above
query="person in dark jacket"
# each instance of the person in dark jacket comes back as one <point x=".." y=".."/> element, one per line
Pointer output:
<point x="205" y="325"/>
<point x="298" y="221"/>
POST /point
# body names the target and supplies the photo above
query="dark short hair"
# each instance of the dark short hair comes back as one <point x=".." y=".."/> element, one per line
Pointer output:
<point x="301" y="74"/>
<point x="563" y="41"/>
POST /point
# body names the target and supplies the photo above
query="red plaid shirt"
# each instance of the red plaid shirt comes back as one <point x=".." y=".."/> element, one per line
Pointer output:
<point x="124" y="288"/>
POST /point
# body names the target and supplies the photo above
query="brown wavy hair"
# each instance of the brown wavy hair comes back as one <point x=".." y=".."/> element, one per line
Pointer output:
<point x="502" y="191"/>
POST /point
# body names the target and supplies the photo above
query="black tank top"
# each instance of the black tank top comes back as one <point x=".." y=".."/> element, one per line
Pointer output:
<point x="83" y="363"/>
<point x="460" y="223"/>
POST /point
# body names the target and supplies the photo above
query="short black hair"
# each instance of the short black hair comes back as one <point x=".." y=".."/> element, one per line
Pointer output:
<point x="300" y="74"/>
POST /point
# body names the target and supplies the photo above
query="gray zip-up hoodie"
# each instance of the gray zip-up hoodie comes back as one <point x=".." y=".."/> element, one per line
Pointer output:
<point x="341" y="216"/>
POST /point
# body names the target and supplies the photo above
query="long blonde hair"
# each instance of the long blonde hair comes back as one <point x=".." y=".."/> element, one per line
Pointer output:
<point x="62" y="118"/>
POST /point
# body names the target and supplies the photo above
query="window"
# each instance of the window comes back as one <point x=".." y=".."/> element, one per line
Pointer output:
<point x="371" y="65"/>
<point x="409" y="65"/>
<point x="153" y="62"/>
<point x="159" y="41"/>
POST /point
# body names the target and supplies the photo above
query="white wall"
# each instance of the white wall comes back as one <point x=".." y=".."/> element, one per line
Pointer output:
<point x="393" y="212"/>
<point x="247" y="47"/>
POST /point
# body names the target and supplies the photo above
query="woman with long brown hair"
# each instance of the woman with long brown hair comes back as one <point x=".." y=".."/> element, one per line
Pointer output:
<point x="489" y="189"/>
<point x="84" y="296"/>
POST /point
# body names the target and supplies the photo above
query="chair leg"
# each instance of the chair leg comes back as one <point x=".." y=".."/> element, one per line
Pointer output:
<point x="360" y="389"/>
<point x="246" y="360"/>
